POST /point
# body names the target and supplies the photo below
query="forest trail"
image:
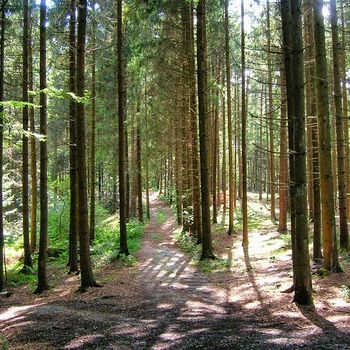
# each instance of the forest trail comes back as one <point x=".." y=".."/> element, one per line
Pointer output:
<point x="166" y="302"/>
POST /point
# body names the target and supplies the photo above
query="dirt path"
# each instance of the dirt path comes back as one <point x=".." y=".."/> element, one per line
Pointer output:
<point x="167" y="303"/>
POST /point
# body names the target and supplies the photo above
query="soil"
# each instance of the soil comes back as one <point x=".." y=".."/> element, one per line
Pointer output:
<point x="167" y="302"/>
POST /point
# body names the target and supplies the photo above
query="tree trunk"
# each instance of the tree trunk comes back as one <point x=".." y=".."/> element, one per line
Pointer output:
<point x="87" y="279"/>
<point x="270" y="117"/>
<point x="207" y="248"/>
<point x="330" y="251"/>
<point x="93" y="130"/>
<point x="27" y="259"/>
<point x="2" y="66"/>
<point x="33" y="162"/>
<point x="229" y="122"/>
<point x="343" y="220"/>
<point x="244" y="130"/>
<point x="73" y="220"/>
<point x="312" y="115"/>
<point x="139" y="171"/>
<point x="123" y="249"/>
<point x="283" y="178"/>
<point x="42" y="274"/>
<point x="293" y="59"/>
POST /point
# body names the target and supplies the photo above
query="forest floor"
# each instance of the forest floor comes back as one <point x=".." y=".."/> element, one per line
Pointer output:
<point x="166" y="301"/>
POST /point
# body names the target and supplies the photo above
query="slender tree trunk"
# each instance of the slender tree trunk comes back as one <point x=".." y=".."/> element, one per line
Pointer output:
<point x="223" y="165"/>
<point x="312" y="115"/>
<point x="2" y="67"/>
<point x="33" y="162"/>
<point x="207" y="248"/>
<point x="42" y="274"/>
<point x="283" y="178"/>
<point x="73" y="220"/>
<point x="244" y="130"/>
<point x="294" y="66"/>
<point x="229" y="122"/>
<point x="345" y="107"/>
<point x="123" y="249"/>
<point x="270" y="117"/>
<point x="148" y="212"/>
<point x="139" y="171"/>
<point x="330" y="251"/>
<point x="343" y="220"/>
<point x="93" y="131"/>
<point x="196" y="195"/>
<point x="260" y="176"/>
<point x="27" y="261"/>
<point x="87" y="279"/>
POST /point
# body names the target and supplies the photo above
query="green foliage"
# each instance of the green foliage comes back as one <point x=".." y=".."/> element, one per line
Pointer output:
<point x="4" y="344"/>
<point x="17" y="278"/>
<point x="129" y="260"/>
<point x="216" y="265"/>
<point x="161" y="217"/>
<point x="156" y="236"/>
<point x="345" y="290"/>
<point x="188" y="244"/>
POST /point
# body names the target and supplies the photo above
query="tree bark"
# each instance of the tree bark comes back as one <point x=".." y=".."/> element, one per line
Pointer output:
<point x="330" y="251"/>
<point x="343" y="220"/>
<point x="2" y="67"/>
<point x="73" y="219"/>
<point x="123" y="249"/>
<point x="229" y="122"/>
<point x="93" y="130"/>
<point x="207" y="248"/>
<point x="27" y="258"/>
<point x="42" y="273"/>
<point x="244" y="130"/>
<point x="87" y="279"/>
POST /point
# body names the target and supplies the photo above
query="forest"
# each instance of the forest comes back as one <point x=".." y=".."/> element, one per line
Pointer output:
<point x="174" y="174"/>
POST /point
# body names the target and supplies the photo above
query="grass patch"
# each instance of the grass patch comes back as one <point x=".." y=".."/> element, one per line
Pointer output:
<point x="217" y="265"/>
<point x="156" y="236"/>
<point x="345" y="291"/>
<point x="161" y="217"/>
<point x="188" y="244"/>
<point x="15" y="276"/>
<point x="4" y="344"/>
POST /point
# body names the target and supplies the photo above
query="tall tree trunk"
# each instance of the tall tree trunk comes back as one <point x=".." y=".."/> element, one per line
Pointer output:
<point x="229" y="122"/>
<point x="294" y="64"/>
<point x="2" y="66"/>
<point x="207" y="248"/>
<point x="27" y="259"/>
<point x="139" y="170"/>
<point x="244" y="131"/>
<point x="196" y="195"/>
<point x="330" y="251"/>
<point x="33" y="157"/>
<point x="345" y="108"/>
<point x="93" y="130"/>
<point x="283" y="178"/>
<point x="303" y="287"/>
<point x="73" y="219"/>
<point x="272" y="179"/>
<point x="343" y="220"/>
<point x="223" y="165"/>
<point x="312" y="115"/>
<point x="42" y="274"/>
<point x="123" y="249"/>
<point x="87" y="279"/>
<point x="148" y="212"/>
